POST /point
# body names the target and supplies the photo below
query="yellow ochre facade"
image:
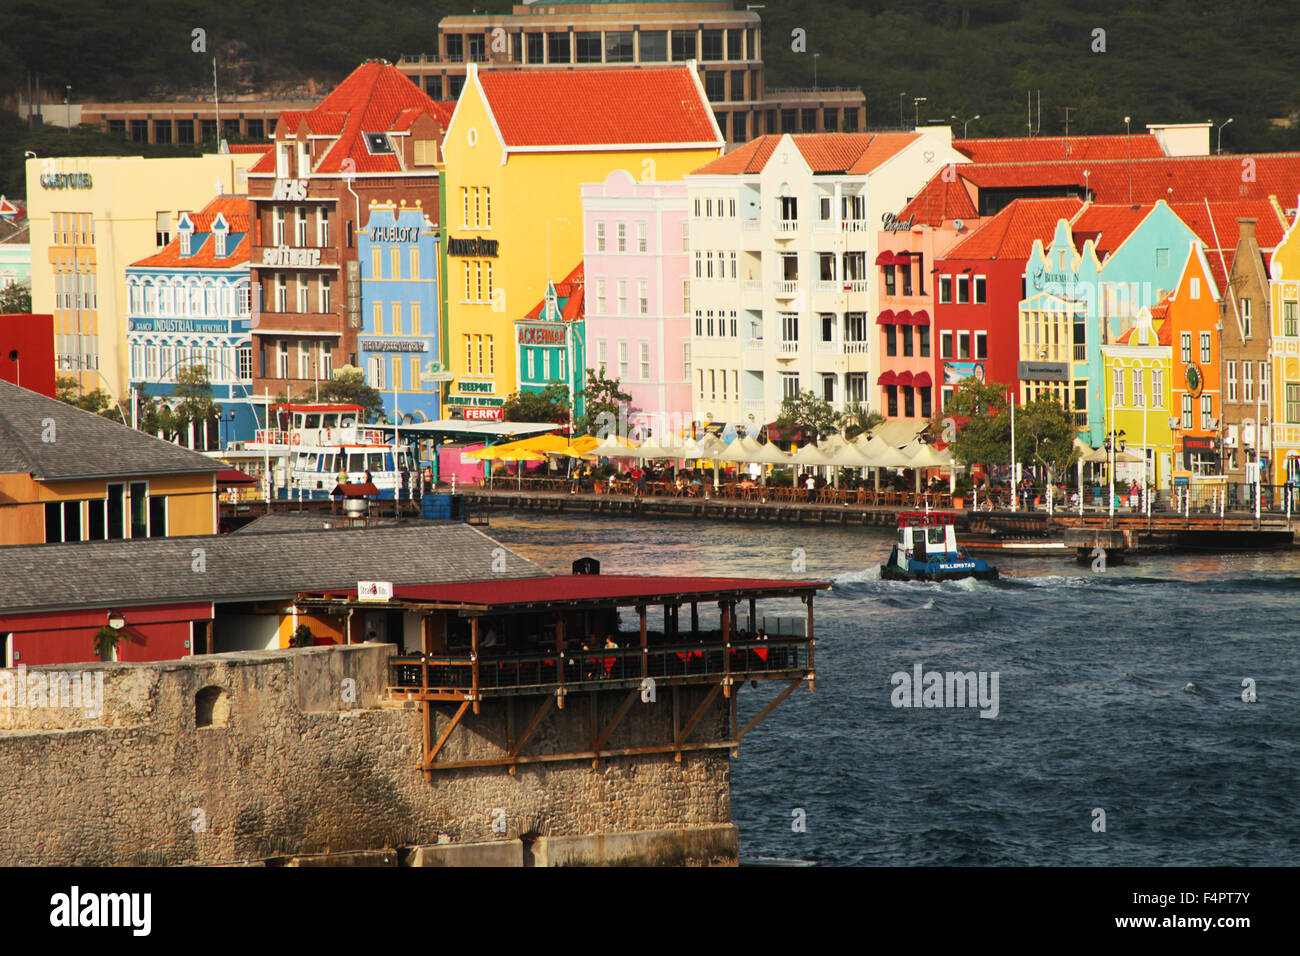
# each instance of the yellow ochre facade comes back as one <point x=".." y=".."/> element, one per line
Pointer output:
<point x="528" y="201"/>
<point x="1284" y="391"/>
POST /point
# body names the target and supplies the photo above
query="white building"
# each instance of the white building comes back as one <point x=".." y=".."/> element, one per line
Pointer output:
<point x="782" y="237"/>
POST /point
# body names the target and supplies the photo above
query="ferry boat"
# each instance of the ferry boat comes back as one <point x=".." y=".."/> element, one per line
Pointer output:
<point x="314" y="443"/>
<point x="927" y="550"/>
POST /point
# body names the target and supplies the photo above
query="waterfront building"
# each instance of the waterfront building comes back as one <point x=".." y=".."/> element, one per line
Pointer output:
<point x="91" y="217"/>
<point x="635" y="261"/>
<point x="1281" y="406"/>
<point x="188" y="306"/>
<point x="551" y="345"/>
<point x="375" y="136"/>
<point x="67" y="475"/>
<point x="782" y="257"/>
<point x="504" y="231"/>
<point x="1192" y="311"/>
<point x="1137" y="369"/>
<point x="400" y="346"/>
<point x="15" y="245"/>
<point x="27" y="351"/>
<point x="723" y="45"/>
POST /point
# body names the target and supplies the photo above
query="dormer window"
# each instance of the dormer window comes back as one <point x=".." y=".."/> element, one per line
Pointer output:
<point x="282" y="156"/>
<point x="185" y="230"/>
<point x="304" y="160"/>
<point x="219" y="233"/>
<point x="378" y="144"/>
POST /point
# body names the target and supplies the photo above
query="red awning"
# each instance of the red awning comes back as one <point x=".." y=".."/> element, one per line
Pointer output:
<point x="921" y="379"/>
<point x="886" y="259"/>
<point x="233" y="476"/>
<point x="886" y="318"/>
<point x="920" y="317"/>
<point x="904" y="378"/>
<point x="903" y="318"/>
<point x="887" y="378"/>
<point x="355" y="489"/>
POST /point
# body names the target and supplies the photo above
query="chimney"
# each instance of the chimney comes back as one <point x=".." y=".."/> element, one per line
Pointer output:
<point x="1245" y="229"/>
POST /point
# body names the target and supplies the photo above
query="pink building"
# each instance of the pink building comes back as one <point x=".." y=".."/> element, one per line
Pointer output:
<point x="634" y="250"/>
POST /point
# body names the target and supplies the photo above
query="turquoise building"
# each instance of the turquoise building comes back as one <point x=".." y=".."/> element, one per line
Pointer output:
<point x="399" y="346"/>
<point x="550" y="341"/>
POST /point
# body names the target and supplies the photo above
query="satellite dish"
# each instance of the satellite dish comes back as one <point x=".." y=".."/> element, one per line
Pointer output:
<point x="959" y="224"/>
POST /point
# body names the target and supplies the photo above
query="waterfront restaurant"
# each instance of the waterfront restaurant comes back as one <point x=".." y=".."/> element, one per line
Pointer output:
<point x="553" y="636"/>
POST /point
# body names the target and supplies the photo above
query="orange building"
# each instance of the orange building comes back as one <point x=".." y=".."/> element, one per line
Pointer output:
<point x="1196" y="398"/>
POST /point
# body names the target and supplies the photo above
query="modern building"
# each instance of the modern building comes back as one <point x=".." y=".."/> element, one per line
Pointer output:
<point x="69" y="475"/>
<point x="188" y="306"/>
<point x="551" y="345"/>
<point x="1282" y="391"/>
<point x="636" y="263"/>
<point x="189" y="121"/>
<point x="400" y="346"/>
<point x="724" y="46"/>
<point x="375" y="136"/>
<point x="782" y="260"/>
<point x="27" y="351"/>
<point x="519" y="148"/>
<point x="91" y="217"/>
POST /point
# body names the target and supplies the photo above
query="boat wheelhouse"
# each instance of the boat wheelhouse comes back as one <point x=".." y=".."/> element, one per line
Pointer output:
<point x="927" y="550"/>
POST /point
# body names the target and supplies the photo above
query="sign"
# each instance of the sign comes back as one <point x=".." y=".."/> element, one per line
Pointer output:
<point x="542" y="335"/>
<point x="434" y="372"/>
<point x="179" y="325"/>
<point x="1043" y="371"/>
<point x="374" y="590"/>
<point x="488" y="387"/>
<point x="472" y="247"/>
<point x="66" y="181"/>
<point x="894" y="224"/>
<point x="1198" y="444"/>
<point x="482" y="414"/>
<point x="290" y="189"/>
<point x="954" y="372"/>
<point x="1194" y="379"/>
<point x="285" y="256"/>
<point x="479" y="400"/>
<point x="393" y="345"/>
<point x="394" y="233"/>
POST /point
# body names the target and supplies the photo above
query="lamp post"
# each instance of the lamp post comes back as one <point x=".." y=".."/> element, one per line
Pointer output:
<point x="67" y="101"/>
<point x="900" y="109"/>
<point x="916" y="104"/>
<point x="1011" y="400"/>
<point x="1219" y="143"/>
<point x="965" y="123"/>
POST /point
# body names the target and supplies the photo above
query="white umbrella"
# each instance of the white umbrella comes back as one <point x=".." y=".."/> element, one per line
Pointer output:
<point x="740" y="450"/>
<point x="925" y="456"/>
<point x="811" y="455"/>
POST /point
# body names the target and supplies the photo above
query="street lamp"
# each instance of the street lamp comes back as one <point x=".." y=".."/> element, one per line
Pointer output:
<point x="1114" y="443"/>
<point x="67" y="101"/>
<point x="1219" y="146"/>
<point x="815" y="56"/>
<point x="965" y="123"/>
<point x="916" y="103"/>
<point x="900" y="109"/>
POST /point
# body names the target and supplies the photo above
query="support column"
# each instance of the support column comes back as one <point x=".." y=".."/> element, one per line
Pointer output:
<point x="473" y="652"/>
<point x="695" y="621"/>
<point x="560" y="657"/>
<point x="645" y="660"/>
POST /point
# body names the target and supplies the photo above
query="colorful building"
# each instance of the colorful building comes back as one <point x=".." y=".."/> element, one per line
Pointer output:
<point x="91" y="217"/>
<point x="68" y="475"/>
<point x="400" y="346"/>
<point x="15" y="245"/>
<point x="1196" y="397"/>
<point x="1137" y="370"/>
<point x="188" y="306"/>
<point x="376" y="136"/>
<point x="1282" y="390"/>
<point x="27" y="351"/>
<point x="635" y="261"/>
<point x="551" y="344"/>
<point x="518" y="149"/>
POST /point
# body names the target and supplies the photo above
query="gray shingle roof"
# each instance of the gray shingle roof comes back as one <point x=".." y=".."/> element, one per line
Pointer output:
<point x="84" y="445"/>
<point x="313" y="520"/>
<point x="244" y="567"/>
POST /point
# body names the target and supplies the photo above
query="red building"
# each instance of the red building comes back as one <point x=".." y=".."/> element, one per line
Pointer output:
<point x="27" y="351"/>
<point x="978" y="286"/>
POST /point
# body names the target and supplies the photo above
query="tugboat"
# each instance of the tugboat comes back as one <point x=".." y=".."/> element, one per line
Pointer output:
<point x="927" y="551"/>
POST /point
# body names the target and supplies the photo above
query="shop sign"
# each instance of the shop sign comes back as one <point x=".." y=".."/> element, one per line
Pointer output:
<point x="472" y="247"/>
<point x="542" y="335"/>
<point x="286" y="256"/>
<point x="393" y="345"/>
<point x="482" y="414"/>
<point x="290" y="189"/>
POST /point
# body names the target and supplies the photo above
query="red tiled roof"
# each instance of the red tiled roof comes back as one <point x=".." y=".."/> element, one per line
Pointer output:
<point x="940" y="201"/>
<point x="598" y="107"/>
<point x="1039" y="149"/>
<point x="1108" y="224"/>
<point x="852" y="153"/>
<point x="235" y="210"/>
<point x="251" y="147"/>
<point x="571" y="288"/>
<point x="1221" y="220"/>
<point x="1011" y="233"/>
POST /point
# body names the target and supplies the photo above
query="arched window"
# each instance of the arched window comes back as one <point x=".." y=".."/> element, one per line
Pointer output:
<point x="212" y="707"/>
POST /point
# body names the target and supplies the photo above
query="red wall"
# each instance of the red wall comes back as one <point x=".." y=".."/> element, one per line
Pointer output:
<point x="999" y="316"/>
<point x="32" y="337"/>
<point x="67" y="637"/>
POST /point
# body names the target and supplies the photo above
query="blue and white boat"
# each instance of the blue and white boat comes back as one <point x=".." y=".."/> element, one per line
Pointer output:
<point x="927" y="550"/>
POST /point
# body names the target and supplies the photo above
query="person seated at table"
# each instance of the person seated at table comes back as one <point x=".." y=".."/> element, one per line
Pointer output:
<point x="680" y="484"/>
<point x="610" y="643"/>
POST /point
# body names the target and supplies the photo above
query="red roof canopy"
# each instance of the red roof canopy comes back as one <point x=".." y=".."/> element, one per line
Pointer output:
<point x="920" y="317"/>
<point x="886" y="317"/>
<point x="233" y="476"/>
<point x="889" y="377"/>
<point x="905" y="378"/>
<point x="921" y="380"/>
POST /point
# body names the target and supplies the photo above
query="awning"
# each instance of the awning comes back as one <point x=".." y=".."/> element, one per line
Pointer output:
<point x="887" y="378"/>
<point x="886" y="259"/>
<point x="920" y="317"/>
<point x="905" y="378"/>
<point x="886" y="318"/>
<point x="903" y="318"/>
<point x="921" y="380"/>
<point x="233" y="476"/>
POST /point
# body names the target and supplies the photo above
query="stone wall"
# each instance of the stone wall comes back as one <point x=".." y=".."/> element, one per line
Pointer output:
<point x="303" y="756"/>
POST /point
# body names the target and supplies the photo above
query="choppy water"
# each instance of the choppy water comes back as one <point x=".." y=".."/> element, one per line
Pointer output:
<point x="1119" y="690"/>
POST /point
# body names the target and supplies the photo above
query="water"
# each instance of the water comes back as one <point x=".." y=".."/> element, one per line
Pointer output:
<point x="1119" y="690"/>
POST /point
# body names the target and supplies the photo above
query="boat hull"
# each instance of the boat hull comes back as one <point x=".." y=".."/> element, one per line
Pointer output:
<point x="889" y="572"/>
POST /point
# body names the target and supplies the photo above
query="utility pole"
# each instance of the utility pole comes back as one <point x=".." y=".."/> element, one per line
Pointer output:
<point x="1067" y="118"/>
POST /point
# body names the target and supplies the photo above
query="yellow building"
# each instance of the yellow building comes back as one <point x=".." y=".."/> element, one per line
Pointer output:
<point x="1137" y="372"/>
<point x="519" y="146"/>
<point x="1283" y="409"/>
<point x="91" y="217"/>
<point x="68" y="475"/>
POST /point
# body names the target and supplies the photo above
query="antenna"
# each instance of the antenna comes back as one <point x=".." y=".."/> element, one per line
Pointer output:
<point x="216" y="103"/>
<point x="1067" y="126"/>
<point x="1128" y="141"/>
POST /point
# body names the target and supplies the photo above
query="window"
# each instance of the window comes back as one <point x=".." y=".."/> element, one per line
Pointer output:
<point x="304" y="360"/>
<point x="945" y="289"/>
<point x="622" y="237"/>
<point x="789" y="384"/>
<point x="711" y="44"/>
<point x="963" y="290"/>
<point x="981" y="283"/>
<point x="641" y="236"/>
<point x="683" y="45"/>
<point x="1293" y="403"/>
<point x="1185" y="341"/>
<point x="278" y="226"/>
<point x="300" y="223"/>
<point x="303" y="280"/>
<point x="1263" y="383"/>
<point x="945" y="345"/>
<point x="891" y="340"/>
<point x="737" y="88"/>
<point x="1207" y="412"/>
<point x="1205" y="347"/>
<point x="323" y="290"/>
<point x="1117" y="391"/>
<point x="1230" y="370"/>
<point x="715" y="86"/>
<point x="397" y="318"/>
<point x="1247" y="382"/>
<point x="643" y="297"/>
<point x="601" y="304"/>
<point x="1290" y="317"/>
<point x="1138" y="398"/>
<point x="826" y="266"/>
<point x="586" y="47"/>
<point x="645" y="361"/>
<point x="789" y="208"/>
<point x="828" y="326"/>
<point x="906" y="332"/>
<point x="733" y="265"/>
<point x="686" y="359"/>
<point x="557" y="48"/>
<point x="536" y="47"/>
<point x="1194" y="288"/>
<point x="855" y="327"/>
<point x="245" y="354"/>
<point x="963" y="345"/>
<point x="1157" y="388"/>
<point x="282" y="293"/>
<point x="891" y="400"/>
<point x="981" y="345"/>
<point x="162" y="227"/>
<point x="622" y="297"/>
<point x="654" y="46"/>
<point x="602" y="354"/>
<point x="622" y="360"/>
<point x="890" y="282"/>
<point x="923" y="340"/>
<point x="1245" y="316"/>
<point x="789" y="327"/>
<point x="282" y="359"/>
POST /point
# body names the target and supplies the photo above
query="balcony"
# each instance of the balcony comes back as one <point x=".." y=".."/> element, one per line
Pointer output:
<point x="787" y="349"/>
<point x="856" y="348"/>
<point x="785" y="228"/>
<point x="749" y="225"/>
<point x="854" y="285"/>
<point x="753" y="345"/>
<point x="1081" y="353"/>
<point x="828" y="348"/>
<point x="824" y="225"/>
<point x="825" y="287"/>
<point x="754" y="410"/>
<point x="786" y="289"/>
<point x="853" y="225"/>
<point x="1080" y="419"/>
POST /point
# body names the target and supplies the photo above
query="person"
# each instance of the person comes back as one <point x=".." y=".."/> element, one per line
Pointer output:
<point x="638" y="476"/>
<point x="427" y="479"/>
<point x="610" y="642"/>
<point x="681" y="485"/>
<point x="811" y="484"/>
<point x="613" y="482"/>
<point x="367" y="479"/>
<point x="343" y="475"/>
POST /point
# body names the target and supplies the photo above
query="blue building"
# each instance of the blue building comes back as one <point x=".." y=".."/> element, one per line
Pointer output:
<point x="189" y="305"/>
<point x="399" y="345"/>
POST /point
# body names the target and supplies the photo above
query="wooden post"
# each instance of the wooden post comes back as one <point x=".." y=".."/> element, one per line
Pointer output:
<point x="726" y="608"/>
<point x="645" y="660"/>
<point x="810" y="636"/>
<point x="695" y="621"/>
<point x="426" y="648"/>
<point x="753" y="616"/>
<point x="473" y="652"/>
<point x="559" y="657"/>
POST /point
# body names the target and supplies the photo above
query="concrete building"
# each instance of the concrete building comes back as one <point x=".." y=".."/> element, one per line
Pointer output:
<point x="400" y="347"/>
<point x="189" y="306"/>
<point x="1137" y="369"/>
<point x="27" y="351"/>
<point x="637" y="324"/>
<point x="375" y="136"/>
<point x="724" y="43"/>
<point x="551" y="343"/>
<point x="782" y="258"/>
<point x="1282" y="391"/>
<point x="15" y="245"/>
<point x="91" y="217"/>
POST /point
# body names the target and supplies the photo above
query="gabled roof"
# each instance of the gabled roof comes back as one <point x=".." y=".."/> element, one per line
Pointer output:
<point x="251" y="147"/>
<point x="1107" y="224"/>
<point x="569" y="295"/>
<point x="854" y="154"/>
<point x="1011" y="233"/>
<point x="1220" y="221"/>
<point x="569" y="108"/>
<point x="202" y="247"/>
<point x="940" y="201"/>
<point x="1039" y="149"/>
<point x="1160" y="323"/>
<point x="374" y="98"/>
<point x="84" y="445"/>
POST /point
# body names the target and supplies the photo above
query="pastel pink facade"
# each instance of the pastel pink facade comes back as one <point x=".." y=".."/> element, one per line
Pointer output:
<point x="634" y="252"/>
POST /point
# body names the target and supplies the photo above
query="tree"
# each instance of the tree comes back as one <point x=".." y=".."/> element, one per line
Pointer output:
<point x="1045" y="436"/>
<point x="348" y="387"/>
<point x="549" y="405"/>
<point x="99" y="402"/>
<point x="158" y="419"/>
<point x="805" y="410"/>
<point x="857" y="421"/>
<point x="978" y="414"/>
<point x="15" y="298"/>
<point x="603" y="398"/>
<point x="195" y="392"/>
